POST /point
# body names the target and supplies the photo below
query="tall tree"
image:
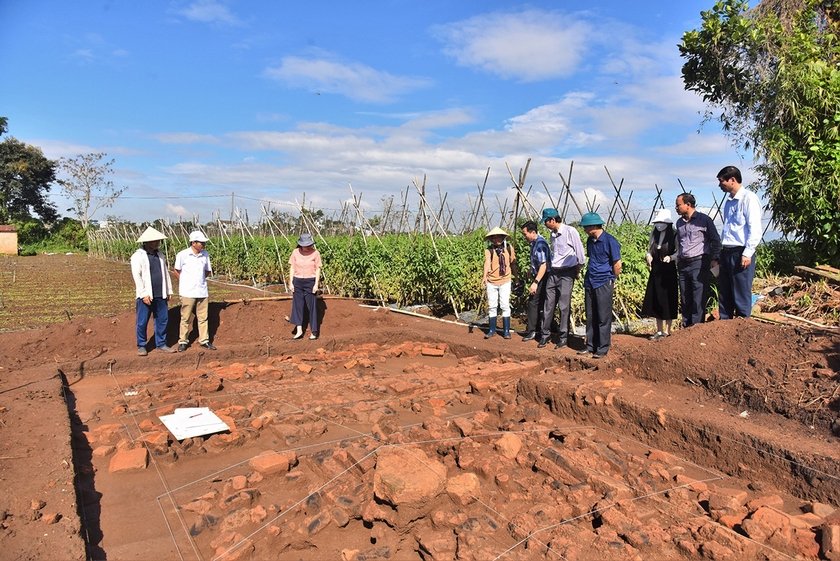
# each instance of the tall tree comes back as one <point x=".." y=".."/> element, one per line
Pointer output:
<point x="772" y="73"/>
<point x="87" y="184"/>
<point x="25" y="179"/>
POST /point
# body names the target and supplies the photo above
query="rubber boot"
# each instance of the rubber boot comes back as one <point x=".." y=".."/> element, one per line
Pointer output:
<point x="506" y="327"/>
<point x="492" y="331"/>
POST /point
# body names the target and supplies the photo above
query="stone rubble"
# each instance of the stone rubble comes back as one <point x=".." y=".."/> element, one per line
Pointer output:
<point x="479" y="475"/>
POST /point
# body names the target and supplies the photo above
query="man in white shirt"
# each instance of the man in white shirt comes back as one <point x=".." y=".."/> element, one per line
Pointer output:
<point x="567" y="259"/>
<point x="192" y="267"/>
<point x="740" y="237"/>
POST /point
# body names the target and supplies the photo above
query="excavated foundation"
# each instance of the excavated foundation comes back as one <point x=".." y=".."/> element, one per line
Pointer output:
<point x="417" y="451"/>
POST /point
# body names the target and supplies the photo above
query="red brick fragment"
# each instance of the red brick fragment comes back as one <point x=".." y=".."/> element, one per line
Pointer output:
<point x="129" y="460"/>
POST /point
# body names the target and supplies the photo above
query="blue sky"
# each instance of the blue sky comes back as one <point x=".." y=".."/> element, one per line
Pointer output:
<point x="196" y="100"/>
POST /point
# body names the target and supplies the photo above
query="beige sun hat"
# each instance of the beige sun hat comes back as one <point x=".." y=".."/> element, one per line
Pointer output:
<point x="496" y="232"/>
<point x="150" y="235"/>
<point x="662" y="215"/>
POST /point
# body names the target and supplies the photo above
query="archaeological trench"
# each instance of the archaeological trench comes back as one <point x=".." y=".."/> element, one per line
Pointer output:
<point x="416" y="439"/>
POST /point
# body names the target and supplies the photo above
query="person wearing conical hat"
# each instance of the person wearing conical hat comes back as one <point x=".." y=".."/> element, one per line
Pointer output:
<point x="499" y="258"/>
<point x="153" y="287"/>
<point x="660" y="300"/>
<point x="602" y="270"/>
<point x="192" y="267"/>
<point x="566" y="262"/>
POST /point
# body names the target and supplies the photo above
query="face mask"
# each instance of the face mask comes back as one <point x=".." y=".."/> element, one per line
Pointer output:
<point x="661" y="226"/>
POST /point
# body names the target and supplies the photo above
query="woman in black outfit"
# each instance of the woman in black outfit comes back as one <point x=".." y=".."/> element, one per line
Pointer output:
<point x="661" y="294"/>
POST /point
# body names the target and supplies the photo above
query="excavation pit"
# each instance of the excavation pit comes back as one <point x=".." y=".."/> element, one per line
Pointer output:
<point x="432" y="443"/>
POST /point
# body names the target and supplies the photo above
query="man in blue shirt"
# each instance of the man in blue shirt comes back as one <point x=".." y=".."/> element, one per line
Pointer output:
<point x="698" y="255"/>
<point x="602" y="270"/>
<point x="740" y="236"/>
<point x="540" y="260"/>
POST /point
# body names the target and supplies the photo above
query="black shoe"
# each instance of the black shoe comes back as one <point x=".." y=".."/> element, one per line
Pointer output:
<point x="209" y="346"/>
<point x="560" y="345"/>
<point x="584" y="352"/>
<point x="599" y="355"/>
<point x="489" y="334"/>
<point x="182" y="347"/>
<point x="529" y="336"/>
<point x="542" y="343"/>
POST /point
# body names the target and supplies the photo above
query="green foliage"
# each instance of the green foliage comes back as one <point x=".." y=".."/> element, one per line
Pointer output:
<point x="774" y="76"/>
<point x="63" y="236"/>
<point x="410" y="269"/>
<point x="780" y="256"/>
<point x="30" y="231"/>
<point x="630" y="288"/>
<point x="25" y="178"/>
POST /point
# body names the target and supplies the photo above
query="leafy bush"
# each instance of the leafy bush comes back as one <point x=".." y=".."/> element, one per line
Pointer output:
<point x="780" y="256"/>
<point x="65" y="235"/>
<point x="407" y="269"/>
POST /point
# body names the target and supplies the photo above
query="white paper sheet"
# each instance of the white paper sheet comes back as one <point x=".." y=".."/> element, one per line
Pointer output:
<point x="188" y="422"/>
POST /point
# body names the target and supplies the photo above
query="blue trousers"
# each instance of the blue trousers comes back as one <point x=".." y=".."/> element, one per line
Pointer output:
<point x="735" y="284"/>
<point x="303" y="298"/>
<point x="599" y="316"/>
<point x="160" y="310"/>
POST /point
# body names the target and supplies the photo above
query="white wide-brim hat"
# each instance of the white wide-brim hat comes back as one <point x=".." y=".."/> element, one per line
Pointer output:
<point x="662" y="215"/>
<point x="496" y="232"/>
<point x="150" y="235"/>
<point x="198" y="236"/>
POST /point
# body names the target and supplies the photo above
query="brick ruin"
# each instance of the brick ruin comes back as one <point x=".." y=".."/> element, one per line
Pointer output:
<point x="421" y="451"/>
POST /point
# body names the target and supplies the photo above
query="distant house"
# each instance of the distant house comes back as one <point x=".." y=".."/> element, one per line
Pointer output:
<point x="8" y="239"/>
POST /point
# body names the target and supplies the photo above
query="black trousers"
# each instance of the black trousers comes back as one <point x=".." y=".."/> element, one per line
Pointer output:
<point x="558" y="293"/>
<point x="535" y="305"/>
<point x="599" y="314"/>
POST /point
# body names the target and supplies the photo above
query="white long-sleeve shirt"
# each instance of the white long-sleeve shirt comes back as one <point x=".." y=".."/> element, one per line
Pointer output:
<point x="742" y="221"/>
<point x="142" y="275"/>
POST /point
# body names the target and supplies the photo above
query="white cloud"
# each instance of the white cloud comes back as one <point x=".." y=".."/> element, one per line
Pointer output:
<point x="83" y="55"/>
<point x="54" y="149"/>
<point x="531" y="45"/>
<point x="353" y="80"/>
<point x="209" y="11"/>
<point x="186" y="138"/>
<point x="178" y="211"/>
<point x="696" y="144"/>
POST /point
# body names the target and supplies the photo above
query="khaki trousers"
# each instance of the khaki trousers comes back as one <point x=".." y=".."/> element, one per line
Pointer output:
<point x="190" y="308"/>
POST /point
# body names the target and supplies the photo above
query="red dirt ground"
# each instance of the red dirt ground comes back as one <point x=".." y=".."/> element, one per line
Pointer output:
<point x="692" y="395"/>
